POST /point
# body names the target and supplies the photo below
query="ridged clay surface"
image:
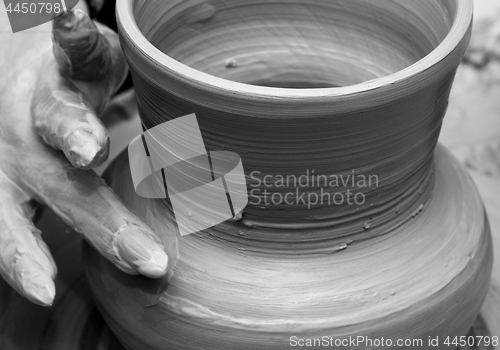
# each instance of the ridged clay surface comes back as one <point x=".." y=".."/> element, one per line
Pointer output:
<point x="426" y="278"/>
<point x="412" y="261"/>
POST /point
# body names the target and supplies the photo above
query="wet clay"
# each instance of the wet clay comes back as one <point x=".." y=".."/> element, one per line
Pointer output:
<point x="344" y="90"/>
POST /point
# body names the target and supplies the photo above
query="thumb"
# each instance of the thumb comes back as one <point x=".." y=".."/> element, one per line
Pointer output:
<point x="90" y="55"/>
<point x="80" y="50"/>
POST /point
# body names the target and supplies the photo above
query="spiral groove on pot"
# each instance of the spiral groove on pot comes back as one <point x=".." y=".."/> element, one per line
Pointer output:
<point x="382" y="126"/>
<point x="287" y="271"/>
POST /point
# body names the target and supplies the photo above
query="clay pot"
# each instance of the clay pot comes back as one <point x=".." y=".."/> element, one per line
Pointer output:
<point x="305" y="88"/>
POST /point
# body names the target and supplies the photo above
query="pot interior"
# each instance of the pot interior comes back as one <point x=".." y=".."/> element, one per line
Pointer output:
<point x="296" y="43"/>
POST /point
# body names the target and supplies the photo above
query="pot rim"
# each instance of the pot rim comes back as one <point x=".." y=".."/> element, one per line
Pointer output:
<point x="461" y="24"/>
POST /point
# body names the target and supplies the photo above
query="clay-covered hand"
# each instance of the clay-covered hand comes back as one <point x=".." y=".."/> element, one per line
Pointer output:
<point x="54" y="82"/>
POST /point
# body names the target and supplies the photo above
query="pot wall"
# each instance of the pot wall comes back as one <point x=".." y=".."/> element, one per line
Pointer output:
<point x="386" y="127"/>
<point x="412" y="261"/>
<point x="426" y="278"/>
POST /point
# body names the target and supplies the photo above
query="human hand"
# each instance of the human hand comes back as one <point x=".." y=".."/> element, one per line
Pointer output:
<point x="52" y="88"/>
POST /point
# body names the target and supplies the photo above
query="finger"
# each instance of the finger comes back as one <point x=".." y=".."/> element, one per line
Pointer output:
<point x="62" y="117"/>
<point x="81" y="51"/>
<point x="25" y="261"/>
<point x="83" y="201"/>
<point x="89" y="54"/>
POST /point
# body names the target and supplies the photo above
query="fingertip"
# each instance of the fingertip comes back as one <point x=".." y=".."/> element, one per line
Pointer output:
<point x="66" y="121"/>
<point x="85" y="150"/>
<point x="38" y="287"/>
<point x="73" y="19"/>
<point x="151" y="270"/>
<point x="74" y="30"/>
<point x="156" y="267"/>
<point x="141" y="251"/>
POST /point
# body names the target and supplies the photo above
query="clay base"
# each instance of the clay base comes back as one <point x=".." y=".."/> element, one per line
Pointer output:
<point x="426" y="278"/>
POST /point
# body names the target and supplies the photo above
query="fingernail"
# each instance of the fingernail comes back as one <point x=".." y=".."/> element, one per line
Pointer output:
<point x="38" y="288"/>
<point x="139" y="250"/>
<point x="85" y="151"/>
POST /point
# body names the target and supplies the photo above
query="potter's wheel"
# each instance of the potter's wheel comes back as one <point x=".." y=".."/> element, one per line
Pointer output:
<point x="73" y="322"/>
